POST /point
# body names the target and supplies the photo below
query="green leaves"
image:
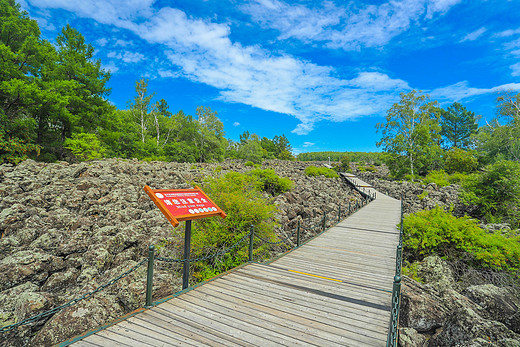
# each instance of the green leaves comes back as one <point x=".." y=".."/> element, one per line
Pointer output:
<point x="411" y="135"/>
<point x="458" y="124"/>
<point x="438" y="232"/>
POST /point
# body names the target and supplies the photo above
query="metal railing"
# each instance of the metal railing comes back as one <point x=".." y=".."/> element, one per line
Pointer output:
<point x="393" y="331"/>
<point x="321" y="226"/>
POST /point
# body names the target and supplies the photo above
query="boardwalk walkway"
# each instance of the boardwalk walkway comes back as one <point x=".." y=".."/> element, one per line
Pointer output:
<point x="333" y="290"/>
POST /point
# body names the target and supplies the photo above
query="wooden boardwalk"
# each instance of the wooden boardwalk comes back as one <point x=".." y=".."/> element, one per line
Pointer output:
<point x="333" y="290"/>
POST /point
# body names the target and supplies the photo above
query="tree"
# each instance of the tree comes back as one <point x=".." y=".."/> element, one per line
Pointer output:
<point x="458" y="124"/>
<point x="21" y="57"/>
<point x="500" y="138"/>
<point x="210" y="141"/>
<point x="141" y="107"/>
<point x="411" y="135"/>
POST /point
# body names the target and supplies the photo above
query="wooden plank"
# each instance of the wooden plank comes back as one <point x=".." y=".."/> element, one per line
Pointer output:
<point x="341" y="311"/>
<point x="103" y="340"/>
<point x="213" y="322"/>
<point x="319" y="318"/>
<point x="292" y="292"/>
<point x="171" y="324"/>
<point x="262" y="333"/>
<point x="217" y="302"/>
<point x="308" y="306"/>
<point x="305" y="328"/>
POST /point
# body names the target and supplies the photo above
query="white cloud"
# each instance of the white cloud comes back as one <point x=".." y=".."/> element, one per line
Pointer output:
<point x="308" y="144"/>
<point x="123" y="43"/>
<point x="110" y="67"/>
<point x="102" y="42"/>
<point x="127" y="57"/>
<point x="115" y="12"/>
<point x="509" y="32"/>
<point x="462" y="90"/>
<point x="350" y="27"/>
<point x="516" y="69"/>
<point x="378" y="81"/>
<point x="236" y="124"/>
<point x="439" y="6"/>
<point x="169" y="73"/>
<point x="474" y="35"/>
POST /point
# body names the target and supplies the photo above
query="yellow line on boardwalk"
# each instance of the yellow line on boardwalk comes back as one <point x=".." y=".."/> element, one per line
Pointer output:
<point x="325" y="278"/>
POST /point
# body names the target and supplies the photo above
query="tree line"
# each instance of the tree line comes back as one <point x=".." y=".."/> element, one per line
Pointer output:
<point x="419" y="136"/>
<point x="54" y="106"/>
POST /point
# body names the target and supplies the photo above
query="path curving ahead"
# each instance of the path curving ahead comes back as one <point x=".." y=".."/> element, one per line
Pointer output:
<point x="334" y="290"/>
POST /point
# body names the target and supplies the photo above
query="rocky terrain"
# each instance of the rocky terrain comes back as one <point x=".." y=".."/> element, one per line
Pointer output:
<point x="67" y="229"/>
<point x="441" y="312"/>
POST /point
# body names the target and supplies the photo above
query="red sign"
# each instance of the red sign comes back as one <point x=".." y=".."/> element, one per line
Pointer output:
<point x="183" y="204"/>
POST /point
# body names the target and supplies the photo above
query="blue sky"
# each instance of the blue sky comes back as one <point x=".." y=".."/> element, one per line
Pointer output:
<point x="321" y="72"/>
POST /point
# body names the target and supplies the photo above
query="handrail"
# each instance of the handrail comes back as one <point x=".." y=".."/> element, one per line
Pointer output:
<point x="393" y="331"/>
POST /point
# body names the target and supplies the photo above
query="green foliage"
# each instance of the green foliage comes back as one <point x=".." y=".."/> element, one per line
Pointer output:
<point x="411" y="135"/>
<point x="238" y="195"/>
<point x="249" y="163"/>
<point x="270" y="182"/>
<point x="459" y="160"/>
<point x="500" y="138"/>
<point x="320" y="171"/>
<point x="85" y="146"/>
<point x="458" y="124"/>
<point x="369" y="157"/>
<point x="495" y="192"/>
<point x="423" y="195"/>
<point x="344" y="164"/>
<point x="439" y="177"/>
<point x="438" y="232"/>
<point x="411" y="270"/>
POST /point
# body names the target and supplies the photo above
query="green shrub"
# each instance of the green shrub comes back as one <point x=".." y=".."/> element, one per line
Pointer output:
<point x="344" y="164"/>
<point x="439" y="232"/>
<point x="238" y="195"/>
<point x="439" y="177"/>
<point x="410" y="270"/>
<point x="459" y="160"/>
<point x="423" y="195"/>
<point x="495" y="192"/>
<point x="268" y="181"/>
<point x="249" y="163"/>
<point x="320" y="171"/>
<point x="85" y="146"/>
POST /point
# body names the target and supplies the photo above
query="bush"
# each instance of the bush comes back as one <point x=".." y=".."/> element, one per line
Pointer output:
<point x="268" y="181"/>
<point x="439" y="177"/>
<point x="238" y="195"/>
<point x="459" y="160"/>
<point x="320" y="171"/>
<point x="438" y="232"/>
<point x="85" y="146"/>
<point x="249" y="163"/>
<point x="344" y="164"/>
<point x="495" y="192"/>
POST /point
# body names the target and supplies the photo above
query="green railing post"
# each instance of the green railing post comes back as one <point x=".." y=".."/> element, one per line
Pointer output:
<point x="149" y="276"/>
<point x="349" y="209"/>
<point x="251" y="239"/>
<point x="324" y="220"/>
<point x="339" y="213"/>
<point x="391" y="341"/>
<point x="298" y="235"/>
<point x="398" y="260"/>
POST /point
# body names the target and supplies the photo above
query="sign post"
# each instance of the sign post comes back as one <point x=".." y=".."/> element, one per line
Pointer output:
<point x="179" y="205"/>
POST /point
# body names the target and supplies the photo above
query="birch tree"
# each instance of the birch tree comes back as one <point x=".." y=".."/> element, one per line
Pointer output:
<point x="411" y="135"/>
